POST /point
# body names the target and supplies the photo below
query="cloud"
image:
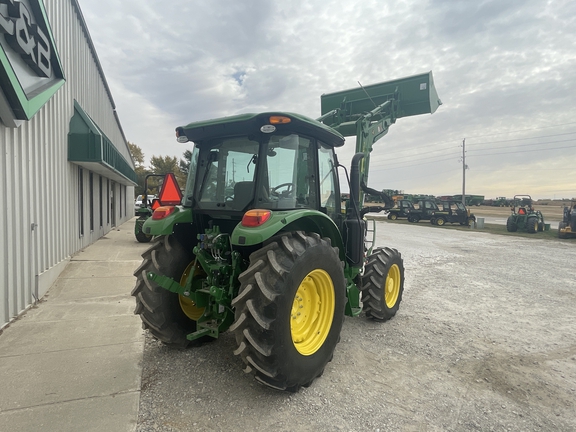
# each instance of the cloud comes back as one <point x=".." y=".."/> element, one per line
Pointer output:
<point x="502" y="68"/>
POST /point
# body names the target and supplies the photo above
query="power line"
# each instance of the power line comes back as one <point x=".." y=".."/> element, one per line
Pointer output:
<point x="521" y="130"/>
<point x="524" y="138"/>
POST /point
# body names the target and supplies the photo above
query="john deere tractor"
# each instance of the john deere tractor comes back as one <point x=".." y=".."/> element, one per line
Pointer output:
<point x="567" y="227"/>
<point x="260" y="245"/>
<point x="524" y="217"/>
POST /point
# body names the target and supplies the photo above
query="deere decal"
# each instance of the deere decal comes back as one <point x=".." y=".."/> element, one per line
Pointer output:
<point x="30" y="69"/>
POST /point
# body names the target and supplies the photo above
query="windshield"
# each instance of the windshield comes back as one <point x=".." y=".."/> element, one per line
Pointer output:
<point x="226" y="173"/>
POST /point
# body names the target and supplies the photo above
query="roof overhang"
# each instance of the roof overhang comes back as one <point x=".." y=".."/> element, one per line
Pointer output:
<point x="90" y="148"/>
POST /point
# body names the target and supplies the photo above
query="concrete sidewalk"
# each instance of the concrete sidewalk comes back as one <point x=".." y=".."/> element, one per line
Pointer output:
<point x="73" y="362"/>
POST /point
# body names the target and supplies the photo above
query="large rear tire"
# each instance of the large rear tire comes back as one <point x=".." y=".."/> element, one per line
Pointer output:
<point x="165" y="314"/>
<point x="383" y="284"/>
<point x="511" y="225"/>
<point x="532" y="225"/>
<point x="289" y="310"/>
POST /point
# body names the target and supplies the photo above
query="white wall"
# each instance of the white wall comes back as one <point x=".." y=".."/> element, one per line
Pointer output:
<point x="39" y="221"/>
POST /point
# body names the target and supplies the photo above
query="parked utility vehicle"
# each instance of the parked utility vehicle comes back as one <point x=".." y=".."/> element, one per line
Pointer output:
<point x="401" y="209"/>
<point x="453" y="212"/>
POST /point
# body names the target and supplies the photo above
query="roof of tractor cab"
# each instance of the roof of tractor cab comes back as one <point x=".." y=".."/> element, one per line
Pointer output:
<point x="251" y="123"/>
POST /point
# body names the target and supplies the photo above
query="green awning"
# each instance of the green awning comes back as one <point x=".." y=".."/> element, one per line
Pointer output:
<point x="90" y="148"/>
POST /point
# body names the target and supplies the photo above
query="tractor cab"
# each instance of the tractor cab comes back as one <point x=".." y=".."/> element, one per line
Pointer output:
<point x="266" y="161"/>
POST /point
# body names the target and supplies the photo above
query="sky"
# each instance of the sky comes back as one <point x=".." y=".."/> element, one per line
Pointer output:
<point x="505" y="71"/>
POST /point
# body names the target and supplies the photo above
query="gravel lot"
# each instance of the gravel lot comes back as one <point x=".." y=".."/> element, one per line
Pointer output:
<point x="484" y="340"/>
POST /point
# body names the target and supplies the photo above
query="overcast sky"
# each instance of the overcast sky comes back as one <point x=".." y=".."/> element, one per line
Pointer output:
<point x="505" y="71"/>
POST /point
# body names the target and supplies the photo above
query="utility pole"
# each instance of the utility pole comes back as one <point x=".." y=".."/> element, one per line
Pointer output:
<point x="464" y="171"/>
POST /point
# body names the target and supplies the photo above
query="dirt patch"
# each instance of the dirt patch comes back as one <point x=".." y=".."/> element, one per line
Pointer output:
<point x="484" y="340"/>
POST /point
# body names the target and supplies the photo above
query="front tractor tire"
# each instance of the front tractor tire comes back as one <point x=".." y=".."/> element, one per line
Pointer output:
<point x="383" y="284"/>
<point x="289" y="310"/>
<point x="168" y="316"/>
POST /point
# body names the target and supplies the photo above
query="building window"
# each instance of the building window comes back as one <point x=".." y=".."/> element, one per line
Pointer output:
<point x="101" y="197"/>
<point x="81" y="200"/>
<point x="124" y="202"/>
<point x="108" y="201"/>
<point x="91" y="186"/>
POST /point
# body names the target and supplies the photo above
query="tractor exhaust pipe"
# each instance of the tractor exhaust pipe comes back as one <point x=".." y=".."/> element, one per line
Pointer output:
<point x="355" y="182"/>
<point x="355" y="225"/>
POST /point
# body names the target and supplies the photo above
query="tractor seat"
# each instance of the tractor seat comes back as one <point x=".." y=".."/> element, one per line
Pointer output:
<point x="243" y="193"/>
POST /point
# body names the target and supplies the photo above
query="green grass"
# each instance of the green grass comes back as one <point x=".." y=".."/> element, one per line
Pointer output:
<point x="551" y="234"/>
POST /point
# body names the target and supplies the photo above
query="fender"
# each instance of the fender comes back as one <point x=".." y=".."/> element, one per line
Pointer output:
<point x="165" y="226"/>
<point x="285" y="221"/>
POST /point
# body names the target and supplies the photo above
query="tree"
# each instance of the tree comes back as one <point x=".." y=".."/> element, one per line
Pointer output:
<point x="139" y="167"/>
<point x="168" y="164"/>
<point x="185" y="163"/>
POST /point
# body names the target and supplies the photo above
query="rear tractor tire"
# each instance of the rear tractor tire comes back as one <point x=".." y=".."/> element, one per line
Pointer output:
<point x="511" y="225"/>
<point x="532" y="225"/>
<point x="383" y="284"/>
<point x="168" y="316"/>
<point x="289" y="310"/>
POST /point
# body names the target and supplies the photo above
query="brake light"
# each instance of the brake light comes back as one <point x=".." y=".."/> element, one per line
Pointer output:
<point x="162" y="212"/>
<point x="254" y="218"/>
<point x="279" y="119"/>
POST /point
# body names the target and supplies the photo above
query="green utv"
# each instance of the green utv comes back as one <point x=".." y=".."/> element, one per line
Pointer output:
<point x="260" y="245"/>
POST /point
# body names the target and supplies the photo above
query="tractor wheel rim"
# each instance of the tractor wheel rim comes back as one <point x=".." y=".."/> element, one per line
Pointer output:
<point x="312" y="312"/>
<point x="188" y="305"/>
<point x="392" y="286"/>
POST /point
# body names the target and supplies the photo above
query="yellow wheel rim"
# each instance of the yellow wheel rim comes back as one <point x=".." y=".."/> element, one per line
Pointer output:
<point x="392" y="286"/>
<point x="312" y="312"/>
<point x="186" y="304"/>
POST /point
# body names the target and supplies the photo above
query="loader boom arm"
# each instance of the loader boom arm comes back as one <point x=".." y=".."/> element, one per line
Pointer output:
<point x="368" y="112"/>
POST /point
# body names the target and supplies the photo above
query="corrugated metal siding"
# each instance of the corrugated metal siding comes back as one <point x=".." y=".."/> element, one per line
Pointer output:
<point x="40" y="224"/>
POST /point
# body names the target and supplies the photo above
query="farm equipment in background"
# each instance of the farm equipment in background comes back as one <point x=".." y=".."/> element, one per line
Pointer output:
<point x="524" y="217"/>
<point x="425" y="211"/>
<point x="401" y="209"/>
<point x="149" y="205"/>
<point x="453" y="212"/>
<point x="567" y="227"/>
<point x="469" y="200"/>
<point x="261" y="246"/>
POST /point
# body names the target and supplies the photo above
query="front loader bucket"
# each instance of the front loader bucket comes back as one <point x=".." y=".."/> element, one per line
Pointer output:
<point x="415" y="95"/>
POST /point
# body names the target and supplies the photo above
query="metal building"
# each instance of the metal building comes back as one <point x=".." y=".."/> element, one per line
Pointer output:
<point x="66" y="173"/>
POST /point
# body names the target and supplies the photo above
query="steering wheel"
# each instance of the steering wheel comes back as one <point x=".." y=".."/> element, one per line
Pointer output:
<point x="289" y="187"/>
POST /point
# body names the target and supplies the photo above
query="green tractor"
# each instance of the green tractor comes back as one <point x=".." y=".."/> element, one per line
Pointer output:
<point x="567" y="227"/>
<point x="260" y="245"/>
<point x="146" y="209"/>
<point x="524" y="217"/>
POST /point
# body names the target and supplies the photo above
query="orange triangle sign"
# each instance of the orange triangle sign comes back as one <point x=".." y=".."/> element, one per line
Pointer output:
<point x="170" y="193"/>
